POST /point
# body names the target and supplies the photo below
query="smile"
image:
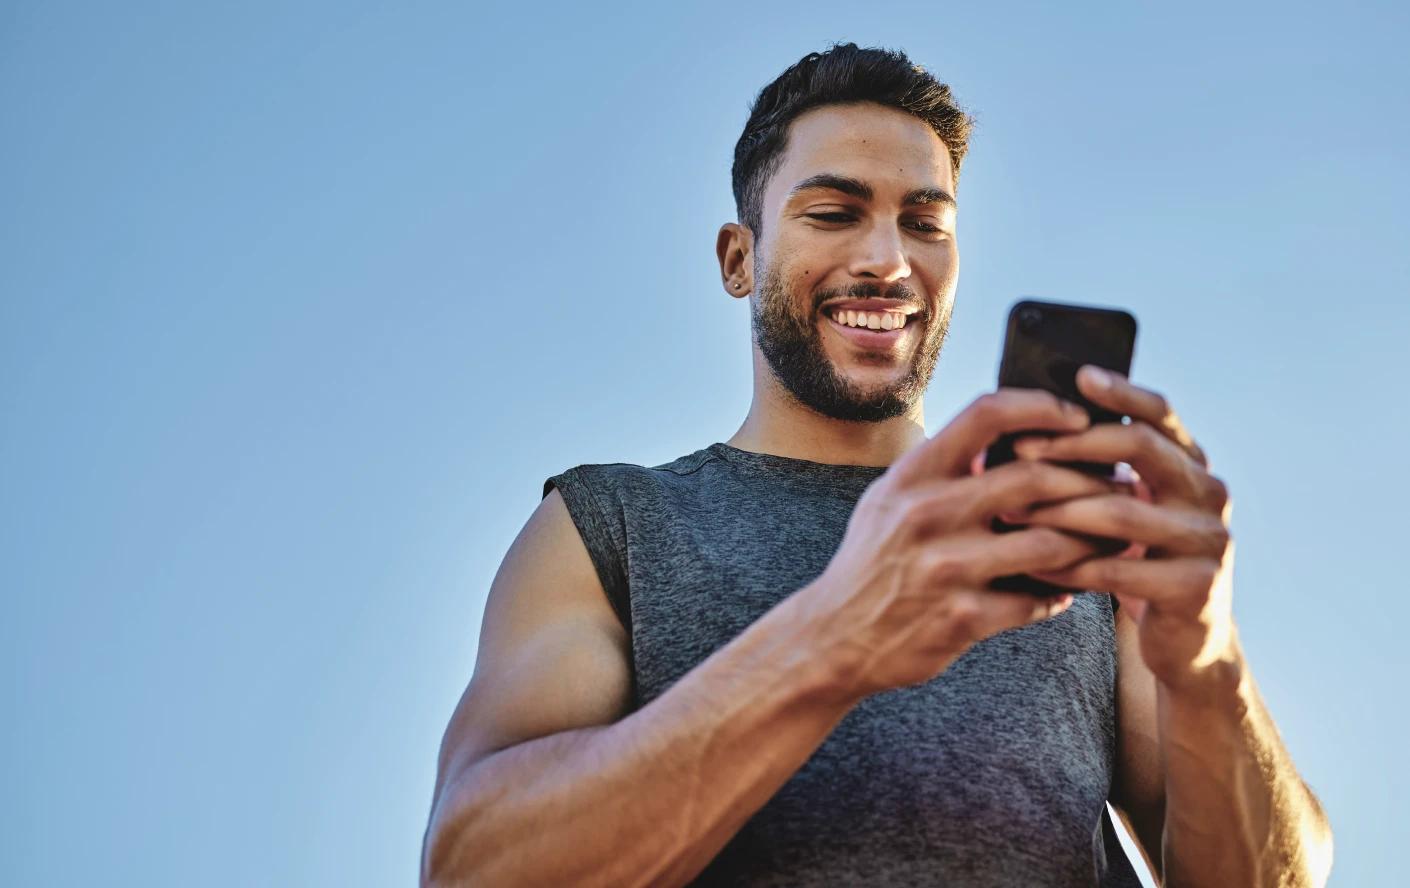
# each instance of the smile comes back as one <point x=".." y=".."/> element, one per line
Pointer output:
<point x="863" y="337"/>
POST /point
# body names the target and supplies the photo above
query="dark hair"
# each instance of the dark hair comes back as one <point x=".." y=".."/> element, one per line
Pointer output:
<point x="843" y="74"/>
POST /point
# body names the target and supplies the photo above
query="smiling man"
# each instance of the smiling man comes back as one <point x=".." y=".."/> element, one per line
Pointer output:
<point x="778" y="660"/>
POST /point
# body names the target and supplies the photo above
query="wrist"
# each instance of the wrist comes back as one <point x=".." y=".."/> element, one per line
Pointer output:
<point x="839" y="665"/>
<point x="846" y="661"/>
<point x="1222" y="685"/>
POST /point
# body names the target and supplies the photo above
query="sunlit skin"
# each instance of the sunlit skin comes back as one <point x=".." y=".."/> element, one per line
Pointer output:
<point x="1202" y="778"/>
<point x="1235" y="810"/>
<point x="866" y="405"/>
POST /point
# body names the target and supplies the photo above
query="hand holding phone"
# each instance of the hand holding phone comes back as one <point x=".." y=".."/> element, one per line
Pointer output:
<point x="1044" y="346"/>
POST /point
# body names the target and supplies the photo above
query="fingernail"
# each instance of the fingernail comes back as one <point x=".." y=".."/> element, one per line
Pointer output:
<point x="1098" y="377"/>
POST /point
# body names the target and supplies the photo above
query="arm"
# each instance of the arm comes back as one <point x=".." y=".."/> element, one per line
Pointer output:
<point x="1233" y="809"/>
<point x="1237" y="812"/>
<point x="541" y="783"/>
<point x="647" y="800"/>
<point x="1200" y="777"/>
<point x="1138" y="784"/>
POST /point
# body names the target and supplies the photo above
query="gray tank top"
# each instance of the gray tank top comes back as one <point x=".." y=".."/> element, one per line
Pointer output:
<point x="995" y="772"/>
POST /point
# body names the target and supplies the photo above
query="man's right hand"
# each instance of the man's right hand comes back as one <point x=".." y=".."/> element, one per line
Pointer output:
<point x="906" y="593"/>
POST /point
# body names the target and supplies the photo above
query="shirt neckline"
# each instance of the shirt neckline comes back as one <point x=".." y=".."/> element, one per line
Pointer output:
<point x="774" y="462"/>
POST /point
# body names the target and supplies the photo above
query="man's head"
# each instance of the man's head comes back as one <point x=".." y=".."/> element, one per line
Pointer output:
<point x="844" y="182"/>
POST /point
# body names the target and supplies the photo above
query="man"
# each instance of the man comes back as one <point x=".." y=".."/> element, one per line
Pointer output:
<point x="776" y="661"/>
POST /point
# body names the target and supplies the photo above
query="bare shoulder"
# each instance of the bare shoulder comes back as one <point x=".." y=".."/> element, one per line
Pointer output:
<point x="553" y="656"/>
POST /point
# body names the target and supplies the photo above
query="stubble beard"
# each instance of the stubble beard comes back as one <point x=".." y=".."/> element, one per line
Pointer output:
<point x="792" y="344"/>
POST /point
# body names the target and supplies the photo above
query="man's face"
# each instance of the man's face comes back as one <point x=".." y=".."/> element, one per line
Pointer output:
<point x="877" y="247"/>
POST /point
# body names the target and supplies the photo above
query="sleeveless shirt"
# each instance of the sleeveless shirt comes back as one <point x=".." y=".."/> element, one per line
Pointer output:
<point x="995" y="772"/>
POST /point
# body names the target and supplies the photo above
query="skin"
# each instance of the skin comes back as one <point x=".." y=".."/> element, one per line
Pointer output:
<point x="546" y="774"/>
<point x="1202" y="779"/>
<point x="858" y="407"/>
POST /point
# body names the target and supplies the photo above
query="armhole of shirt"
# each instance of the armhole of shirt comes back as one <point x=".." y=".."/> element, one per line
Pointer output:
<point x="594" y="525"/>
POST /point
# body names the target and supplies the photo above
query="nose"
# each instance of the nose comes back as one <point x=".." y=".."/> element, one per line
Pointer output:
<point x="882" y="254"/>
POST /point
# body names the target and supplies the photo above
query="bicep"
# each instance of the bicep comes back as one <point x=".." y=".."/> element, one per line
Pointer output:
<point x="1138" y="787"/>
<point x="553" y="655"/>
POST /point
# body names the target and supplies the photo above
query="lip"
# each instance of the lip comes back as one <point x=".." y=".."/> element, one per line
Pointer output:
<point x="875" y="340"/>
<point x="891" y="305"/>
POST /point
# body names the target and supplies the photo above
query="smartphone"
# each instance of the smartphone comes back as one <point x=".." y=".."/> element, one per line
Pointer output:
<point x="1044" y="345"/>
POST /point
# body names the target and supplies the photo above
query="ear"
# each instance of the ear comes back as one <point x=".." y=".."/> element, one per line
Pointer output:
<point x="734" y="246"/>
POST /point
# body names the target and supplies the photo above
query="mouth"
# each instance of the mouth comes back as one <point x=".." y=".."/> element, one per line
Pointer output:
<point x="871" y="340"/>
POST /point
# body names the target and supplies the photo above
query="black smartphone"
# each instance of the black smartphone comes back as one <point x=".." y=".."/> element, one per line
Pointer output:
<point x="1045" y="344"/>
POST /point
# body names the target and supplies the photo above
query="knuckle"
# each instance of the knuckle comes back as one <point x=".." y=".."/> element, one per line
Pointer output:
<point x="1197" y="453"/>
<point x="1161" y="406"/>
<point x="1148" y="440"/>
<point x="1205" y="575"/>
<point x="964" y="616"/>
<point x="1030" y="474"/>
<point x="1204" y="538"/>
<point x="987" y="407"/>
<point x="1124" y="510"/>
<point x="1100" y="573"/>
<point x="941" y="570"/>
<point x="1051" y="544"/>
<point x="912" y="510"/>
<point x="1218" y="493"/>
<point x="1224" y="541"/>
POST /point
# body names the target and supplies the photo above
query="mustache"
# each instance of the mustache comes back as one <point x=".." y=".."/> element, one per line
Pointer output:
<point x="868" y="290"/>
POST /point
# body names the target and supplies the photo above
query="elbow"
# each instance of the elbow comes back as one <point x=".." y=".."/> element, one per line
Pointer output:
<point x="444" y="861"/>
<point x="447" y="847"/>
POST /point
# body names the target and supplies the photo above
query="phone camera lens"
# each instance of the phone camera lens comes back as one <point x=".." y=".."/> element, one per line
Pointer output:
<point x="1029" y="318"/>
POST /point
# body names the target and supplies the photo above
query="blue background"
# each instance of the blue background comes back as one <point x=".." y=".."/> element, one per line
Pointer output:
<point x="299" y="305"/>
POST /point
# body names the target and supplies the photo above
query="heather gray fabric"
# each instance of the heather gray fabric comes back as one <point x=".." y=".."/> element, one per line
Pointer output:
<point x="996" y="772"/>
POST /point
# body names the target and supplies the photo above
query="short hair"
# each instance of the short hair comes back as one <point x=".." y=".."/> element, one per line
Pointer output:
<point x="843" y="74"/>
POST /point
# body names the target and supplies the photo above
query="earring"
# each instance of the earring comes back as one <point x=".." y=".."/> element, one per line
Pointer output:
<point x="736" y="286"/>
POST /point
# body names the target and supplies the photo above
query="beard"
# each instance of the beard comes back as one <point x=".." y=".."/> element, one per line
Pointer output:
<point x="793" y="346"/>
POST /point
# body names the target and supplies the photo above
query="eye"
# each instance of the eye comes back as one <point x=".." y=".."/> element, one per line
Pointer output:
<point x="922" y="227"/>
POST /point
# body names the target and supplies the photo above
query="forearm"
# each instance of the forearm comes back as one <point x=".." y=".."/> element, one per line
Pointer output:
<point x="1237" y="813"/>
<point x="651" y="799"/>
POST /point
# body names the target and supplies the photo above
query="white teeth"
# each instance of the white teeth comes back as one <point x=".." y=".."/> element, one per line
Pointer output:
<point x="873" y="320"/>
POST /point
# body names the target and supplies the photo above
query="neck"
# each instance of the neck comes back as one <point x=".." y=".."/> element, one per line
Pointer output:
<point x="779" y="425"/>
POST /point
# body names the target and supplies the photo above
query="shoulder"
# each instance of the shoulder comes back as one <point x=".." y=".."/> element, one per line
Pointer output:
<point x="608" y="478"/>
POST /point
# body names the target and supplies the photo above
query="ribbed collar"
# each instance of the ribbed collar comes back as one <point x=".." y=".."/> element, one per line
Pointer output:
<point x="773" y="463"/>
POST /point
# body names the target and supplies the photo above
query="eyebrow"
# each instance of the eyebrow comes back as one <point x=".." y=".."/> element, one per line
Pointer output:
<point x="861" y="190"/>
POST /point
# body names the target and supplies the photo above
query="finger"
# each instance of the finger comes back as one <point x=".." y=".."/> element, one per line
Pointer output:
<point x="1117" y="393"/>
<point x="1025" y="551"/>
<point x="1174" y="531"/>
<point x="949" y="452"/>
<point x="976" y="614"/>
<point x="1160" y="461"/>
<point x="1162" y="582"/>
<point x="1021" y="485"/>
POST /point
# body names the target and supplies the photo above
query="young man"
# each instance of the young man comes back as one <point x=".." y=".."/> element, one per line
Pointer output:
<point x="776" y="661"/>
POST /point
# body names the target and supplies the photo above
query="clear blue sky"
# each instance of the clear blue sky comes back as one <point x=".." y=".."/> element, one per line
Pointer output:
<point x="300" y="303"/>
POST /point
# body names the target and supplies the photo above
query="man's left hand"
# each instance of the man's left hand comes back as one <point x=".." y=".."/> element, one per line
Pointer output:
<point x="1178" y="587"/>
